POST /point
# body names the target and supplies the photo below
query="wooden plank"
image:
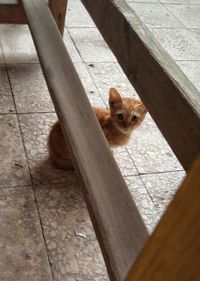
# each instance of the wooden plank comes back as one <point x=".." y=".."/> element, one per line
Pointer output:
<point x="58" y="9"/>
<point x="118" y="225"/>
<point x="172" y="100"/>
<point x="173" y="251"/>
<point x="8" y="2"/>
<point x="11" y="12"/>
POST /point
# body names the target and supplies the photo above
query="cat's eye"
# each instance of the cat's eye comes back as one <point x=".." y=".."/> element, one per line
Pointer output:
<point x="134" y="118"/>
<point x="120" y="116"/>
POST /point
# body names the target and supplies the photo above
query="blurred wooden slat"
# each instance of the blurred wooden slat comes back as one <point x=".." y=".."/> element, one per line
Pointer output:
<point x="118" y="225"/>
<point x="172" y="100"/>
<point x="173" y="251"/>
<point x="11" y="12"/>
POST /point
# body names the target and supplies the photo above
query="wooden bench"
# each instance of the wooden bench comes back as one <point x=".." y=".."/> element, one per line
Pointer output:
<point x="12" y="12"/>
<point x="172" y="252"/>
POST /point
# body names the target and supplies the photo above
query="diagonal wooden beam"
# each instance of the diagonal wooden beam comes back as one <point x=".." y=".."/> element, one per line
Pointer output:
<point x="172" y="100"/>
<point x="173" y="251"/>
<point x="116" y="220"/>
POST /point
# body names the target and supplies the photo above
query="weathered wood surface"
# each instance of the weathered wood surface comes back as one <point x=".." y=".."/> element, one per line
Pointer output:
<point x="11" y="12"/>
<point x="118" y="225"/>
<point x="173" y="251"/>
<point x="58" y="10"/>
<point x="172" y="100"/>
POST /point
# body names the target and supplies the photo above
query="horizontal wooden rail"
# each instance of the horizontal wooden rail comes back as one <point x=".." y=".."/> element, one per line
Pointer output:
<point x="172" y="100"/>
<point x="11" y="12"/>
<point x="118" y="225"/>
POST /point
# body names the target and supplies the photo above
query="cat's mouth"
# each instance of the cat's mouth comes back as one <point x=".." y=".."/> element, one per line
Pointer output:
<point x="125" y="131"/>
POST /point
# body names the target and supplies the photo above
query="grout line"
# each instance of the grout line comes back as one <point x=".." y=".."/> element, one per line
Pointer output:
<point x="94" y="82"/>
<point x="26" y="113"/>
<point x="180" y="4"/>
<point x="165" y="6"/>
<point x="153" y="173"/>
<point x="163" y="172"/>
<point x="139" y="175"/>
<point x="73" y="45"/>
<point x="15" y="186"/>
<point x="36" y="112"/>
<point x="171" y="3"/>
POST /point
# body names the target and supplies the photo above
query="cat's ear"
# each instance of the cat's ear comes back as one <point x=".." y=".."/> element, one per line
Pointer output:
<point x="114" y="97"/>
<point x="142" y="107"/>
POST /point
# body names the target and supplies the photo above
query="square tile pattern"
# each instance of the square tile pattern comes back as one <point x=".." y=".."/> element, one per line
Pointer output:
<point x="23" y="253"/>
<point x="13" y="166"/>
<point x="6" y="100"/>
<point x="46" y="233"/>
<point x="29" y="88"/>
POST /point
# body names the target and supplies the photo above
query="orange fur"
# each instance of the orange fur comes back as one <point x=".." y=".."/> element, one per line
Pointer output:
<point x="117" y="123"/>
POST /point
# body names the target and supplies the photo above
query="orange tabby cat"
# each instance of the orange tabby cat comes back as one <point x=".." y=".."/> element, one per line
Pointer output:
<point x="117" y="123"/>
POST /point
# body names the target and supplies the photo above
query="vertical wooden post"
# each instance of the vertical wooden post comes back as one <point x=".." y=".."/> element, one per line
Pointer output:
<point x="58" y="9"/>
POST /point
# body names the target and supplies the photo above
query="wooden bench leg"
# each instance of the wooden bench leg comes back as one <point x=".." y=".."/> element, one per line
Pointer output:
<point x="58" y="9"/>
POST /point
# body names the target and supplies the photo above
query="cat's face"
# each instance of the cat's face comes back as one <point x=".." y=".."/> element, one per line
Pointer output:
<point x="126" y="113"/>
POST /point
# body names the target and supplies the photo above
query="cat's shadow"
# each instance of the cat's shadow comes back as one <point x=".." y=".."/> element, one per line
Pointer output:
<point x="45" y="174"/>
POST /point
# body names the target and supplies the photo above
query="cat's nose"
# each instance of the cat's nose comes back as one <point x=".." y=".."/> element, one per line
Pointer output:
<point x="127" y="125"/>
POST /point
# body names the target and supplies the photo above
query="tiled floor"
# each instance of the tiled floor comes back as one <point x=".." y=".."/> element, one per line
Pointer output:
<point x="46" y="233"/>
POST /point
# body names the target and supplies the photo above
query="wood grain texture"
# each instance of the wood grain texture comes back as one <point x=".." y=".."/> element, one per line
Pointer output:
<point x="118" y="225"/>
<point x="58" y="9"/>
<point x="173" y="251"/>
<point x="8" y="2"/>
<point x="11" y="13"/>
<point x="172" y="100"/>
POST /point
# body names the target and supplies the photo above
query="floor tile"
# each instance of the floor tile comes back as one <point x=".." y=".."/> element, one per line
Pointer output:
<point x="162" y="187"/>
<point x="23" y="254"/>
<point x="107" y="75"/>
<point x="35" y="131"/>
<point x="192" y="71"/>
<point x="2" y="61"/>
<point x="155" y="15"/>
<point x="13" y="166"/>
<point x="143" y="1"/>
<point x="29" y="88"/>
<point x="143" y="202"/>
<point x="149" y="150"/>
<point x="181" y="44"/>
<point x="180" y="1"/>
<point x="196" y="32"/>
<point x="89" y="86"/>
<point x="17" y="44"/>
<point x="189" y="15"/>
<point x="91" y="45"/>
<point x="73" y="18"/>
<point x="71" y="48"/>
<point x="6" y="100"/>
<point x="71" y="242"/>
<point x="124" y="161"/>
